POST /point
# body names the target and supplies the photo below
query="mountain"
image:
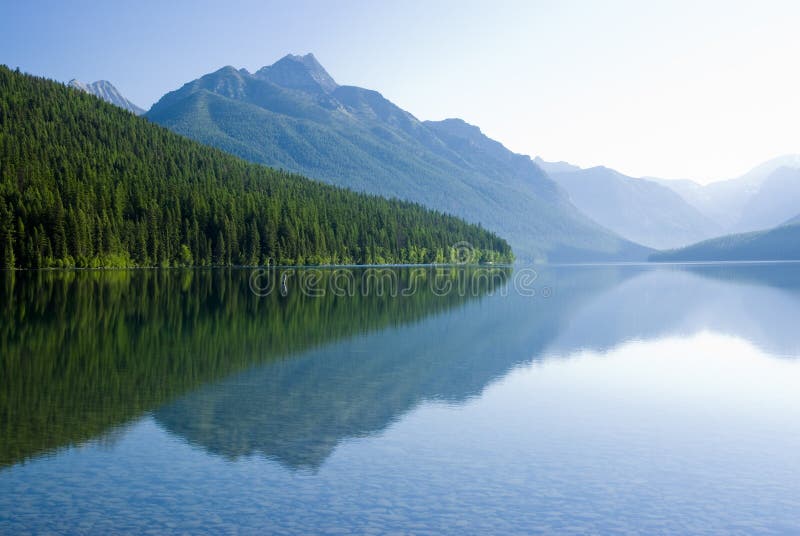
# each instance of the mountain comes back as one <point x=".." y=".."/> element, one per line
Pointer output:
<point x="761" y="172"/>
<point x="106" y="91"/>
<point x="760" y="199"/>
<point x="299" y="72"/>
<point x="779" y="244"/>
<point x="107" y="188"/>
<point x="637" y="209"/>
<point x="777" y="199"/>
<point x="294" y="116"/>
<point x="555" y="167"/>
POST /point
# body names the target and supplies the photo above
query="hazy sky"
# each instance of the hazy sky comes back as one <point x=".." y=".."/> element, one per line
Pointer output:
<point x="702" y="90"/>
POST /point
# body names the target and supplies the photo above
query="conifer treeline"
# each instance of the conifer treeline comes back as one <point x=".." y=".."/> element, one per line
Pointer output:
<point x="84" y="183"/>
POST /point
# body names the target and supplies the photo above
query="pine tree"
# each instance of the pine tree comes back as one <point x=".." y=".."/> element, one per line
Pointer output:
<point x="220" y="251"/>
<point x="8" y="259"/>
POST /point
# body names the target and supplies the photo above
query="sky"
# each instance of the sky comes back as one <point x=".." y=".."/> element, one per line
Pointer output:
<point x="674" y="89"/>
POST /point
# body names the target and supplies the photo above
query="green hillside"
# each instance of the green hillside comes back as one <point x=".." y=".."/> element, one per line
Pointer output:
<point x="294" y="116"/>
<point x="84" y="183"/>
<point x="778" y="244"/>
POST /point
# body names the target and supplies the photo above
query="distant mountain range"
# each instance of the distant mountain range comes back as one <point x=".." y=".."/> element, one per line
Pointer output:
<point x="106" y="91"/>
<point x="760" y="209"/>
<point x="639" y="210"/>
<point x="762" y="198"/>
<point x="672" y="214"/>
<point x="293" y="115"/>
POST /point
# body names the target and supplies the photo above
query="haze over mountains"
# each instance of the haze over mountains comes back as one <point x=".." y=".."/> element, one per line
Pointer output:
<point x="293" y="115"/>
<point x="668" y="214"/>
<point x="106" y="91"/>
<point x="758" y="212"/>
<point x="636" y="209"/>
<point x="764" y="197"/>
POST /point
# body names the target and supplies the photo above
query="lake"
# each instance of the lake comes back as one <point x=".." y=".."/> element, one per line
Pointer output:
<point x="586" y="399"/>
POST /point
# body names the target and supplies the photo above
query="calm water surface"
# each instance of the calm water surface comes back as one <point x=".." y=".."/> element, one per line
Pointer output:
<point x="612" y="400"/>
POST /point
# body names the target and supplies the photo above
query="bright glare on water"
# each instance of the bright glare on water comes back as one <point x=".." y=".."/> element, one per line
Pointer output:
<point x="614" y="399"/>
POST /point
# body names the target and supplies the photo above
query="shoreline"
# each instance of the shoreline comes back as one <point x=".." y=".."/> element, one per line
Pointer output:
<point x="255" y="267"/>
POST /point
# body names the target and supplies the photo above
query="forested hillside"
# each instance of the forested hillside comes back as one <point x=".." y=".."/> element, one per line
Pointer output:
<point x="84" y="183"/>
<point x="292" y="115"/>
<point x="778" y="244"/>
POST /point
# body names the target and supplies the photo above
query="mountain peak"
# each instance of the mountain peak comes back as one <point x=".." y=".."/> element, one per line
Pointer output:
<point x="299" y="72"/>
<point x="760" y="173"/>
<point x="106" y="91"/>
<point x="227" y="73"/>
<point x="309" y="60"/>
<point x="77" y="84"/>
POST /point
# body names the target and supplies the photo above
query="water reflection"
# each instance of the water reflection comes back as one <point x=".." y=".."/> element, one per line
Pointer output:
<point x="757" y="302"/>
<point x="84" y="352"/>
<point x="631" y="399"/>
<point x="297" y="411"/>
